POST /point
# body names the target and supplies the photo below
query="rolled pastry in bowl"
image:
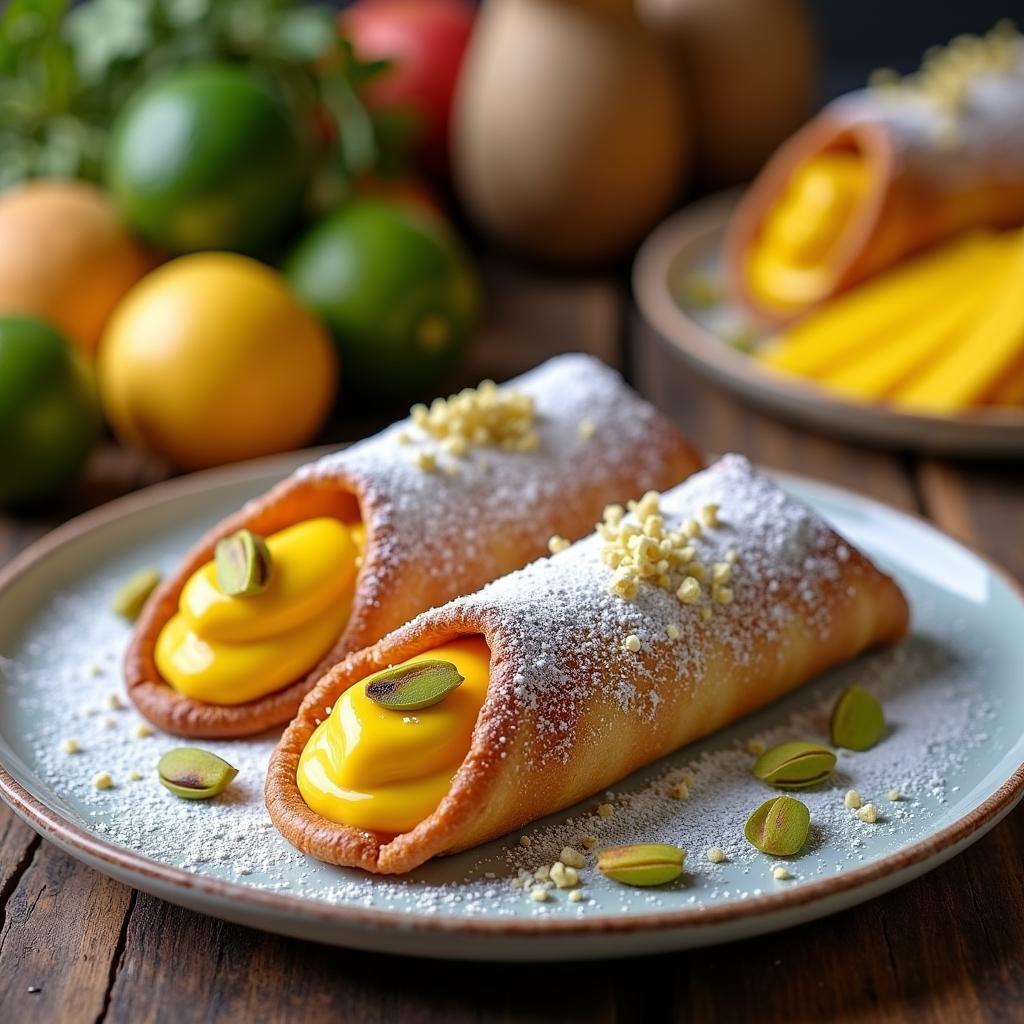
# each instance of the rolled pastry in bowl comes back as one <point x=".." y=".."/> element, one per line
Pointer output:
<point x="362" y="540"/>
<point x="658" y="629"/>
<point x="882" y="173"/>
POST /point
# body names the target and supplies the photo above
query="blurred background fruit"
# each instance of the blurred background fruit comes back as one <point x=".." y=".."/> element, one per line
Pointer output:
<point x="397" y="291"/>
<point x="424" y="42"/>
<point x="211" y="359"/>
<point x="751" y="74"/>
<point x="65" y="257"/>
<point x="49" y="416"/>
<point x="208" y="158"/>
<point x="569" y="134"/>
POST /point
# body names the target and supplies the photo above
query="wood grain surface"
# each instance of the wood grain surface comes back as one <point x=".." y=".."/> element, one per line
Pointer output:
<point x="949" y="947"/>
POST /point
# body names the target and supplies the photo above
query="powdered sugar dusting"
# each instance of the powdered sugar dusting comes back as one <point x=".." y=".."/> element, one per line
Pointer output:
<point x="948" y="694"/>
<point x="559" y="612"/>
<point x="437" y="514"/>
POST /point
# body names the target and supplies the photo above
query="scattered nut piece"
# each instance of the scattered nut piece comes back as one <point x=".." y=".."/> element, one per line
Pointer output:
<point x="588" y="842"/>
<point x="717" y="855"/>
<point x="524" y="840"/>
<point x="141" y="730"/>
<point x="781" y="873"/>
<point x="133" y="775"/>
<point x="102" y="780"/>
<point x="70" y="746"/>
<point x="689" y="591"/>
<point x="427" y="461"/>
<point x="563" y="876"/>
<point x="114" y="702"/>
<point x="721" y="594"/>
<point x="893" y="795"/>
<point x="132" y="595"/>
<point x="672" y="631"/>
<point x="632" y="643"/>
<point x="543" y="873"/>
<point x="586" y="429"/>
<point x="572" y="858"/>
<point x="539" y="894"/>
<point x="402" y="437"/>
<point x="692" y="529"/>
<point x="867" y="813"/>
<point x="732" y="556"/>
<point x="852" y="799"/>
<point x="558" y="543"/>
<point x="755" y="747"/>
<point x="709" y="514"/>
<point x="455" y="446"/>
<point x="721" y="572"/>
<point x="576" y="896"/>
<point x="605" y="810"/>
<point x="706" y="613"/>
<point x="681" y="791"/>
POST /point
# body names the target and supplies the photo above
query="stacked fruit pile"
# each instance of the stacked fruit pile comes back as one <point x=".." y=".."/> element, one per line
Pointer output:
<point x="212" y="216"/>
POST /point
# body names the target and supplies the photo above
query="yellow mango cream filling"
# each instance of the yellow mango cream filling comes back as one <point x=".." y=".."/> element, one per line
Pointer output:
<point x="383" y="770"/>
<point x="789" y="264"/>
<point x="224" y="649"/>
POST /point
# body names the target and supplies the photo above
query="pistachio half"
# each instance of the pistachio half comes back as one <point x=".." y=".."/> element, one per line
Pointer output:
<point x="642" y="864"/>
<point x="858" y="721"/>
<point x="795" y="765"/>
<point x="132" y="595"/>
<point x="779" y="826"/>
<point x="243" y="564"/>
<point x="193" y="773"/>
<point x="413" y="687"/>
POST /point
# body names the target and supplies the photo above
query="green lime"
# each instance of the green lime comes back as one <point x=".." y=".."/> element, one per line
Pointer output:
<point x="208" y="158"/>
<point x="397" y="291"/>
<point x="49" y="415"/>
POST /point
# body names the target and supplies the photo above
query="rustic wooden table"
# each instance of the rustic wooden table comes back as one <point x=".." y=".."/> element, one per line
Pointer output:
<point x="76" y="946"/>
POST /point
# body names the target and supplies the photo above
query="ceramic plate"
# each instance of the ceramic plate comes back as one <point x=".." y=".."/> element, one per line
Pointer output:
<point x="690" y="242"/>
<point x="954" y="751"/>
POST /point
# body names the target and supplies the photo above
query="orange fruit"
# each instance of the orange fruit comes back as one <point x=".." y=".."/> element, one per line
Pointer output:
<point x="211" y="359"/>
<point x="65" y="257"/>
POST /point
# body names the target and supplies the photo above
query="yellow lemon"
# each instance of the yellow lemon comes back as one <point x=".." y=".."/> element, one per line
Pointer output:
<point x="211" y="359"/>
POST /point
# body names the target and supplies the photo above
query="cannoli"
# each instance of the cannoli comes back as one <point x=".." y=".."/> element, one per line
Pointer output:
<point x="663" y="626"/>
<point x="882" y="173"/>
<point x="362" y="540"/>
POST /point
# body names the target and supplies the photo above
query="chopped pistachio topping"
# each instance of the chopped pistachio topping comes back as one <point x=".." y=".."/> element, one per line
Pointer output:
<point x="948" y="72"/>
<point x="485" y="415"/>
<point x="644" y="549"/>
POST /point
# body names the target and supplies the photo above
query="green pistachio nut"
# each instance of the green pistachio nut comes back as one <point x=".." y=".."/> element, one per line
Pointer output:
<point x="643" y="864"/>
<point x="413" y="687"/>
<point x="858" y="721"/>
<point x="779" y="826"/>
<point x="194" y="774"/>
<point x="795" y="765"/>
<point x="243" y="564"/>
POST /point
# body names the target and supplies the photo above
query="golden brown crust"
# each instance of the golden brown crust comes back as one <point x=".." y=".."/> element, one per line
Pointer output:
<point x="397" y="579"/>
<point x="910" y="204"/>
<point x="531" y="757"/>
